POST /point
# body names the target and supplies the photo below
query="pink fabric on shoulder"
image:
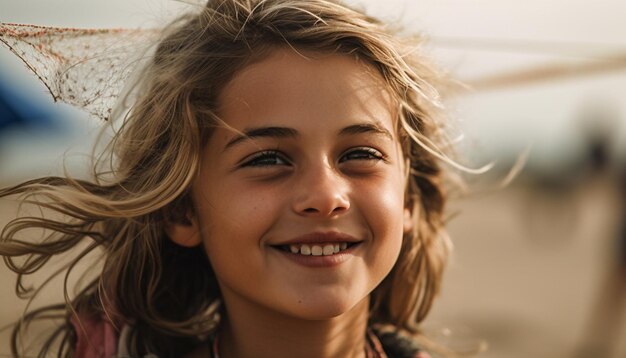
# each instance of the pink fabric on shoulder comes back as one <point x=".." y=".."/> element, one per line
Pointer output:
<point x="97" y="338"/>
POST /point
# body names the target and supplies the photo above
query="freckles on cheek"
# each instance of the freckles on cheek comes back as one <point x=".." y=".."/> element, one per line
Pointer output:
<point x="247" y="201"/>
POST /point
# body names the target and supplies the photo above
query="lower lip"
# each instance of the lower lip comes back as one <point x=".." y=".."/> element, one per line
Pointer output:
<point x="320" y="261"/>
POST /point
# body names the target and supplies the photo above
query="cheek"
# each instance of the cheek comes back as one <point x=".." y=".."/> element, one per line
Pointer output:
<point x="386" y="196"/>
<point x="383" y="210"/>
<point x="234" y="217"/>
<point x="383" y="206"/>
<point x="252" y="211"/>
<point x="237" y="202"/>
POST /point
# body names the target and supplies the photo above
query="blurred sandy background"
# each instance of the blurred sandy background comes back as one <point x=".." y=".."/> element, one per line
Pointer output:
<point x="531" y="259"/>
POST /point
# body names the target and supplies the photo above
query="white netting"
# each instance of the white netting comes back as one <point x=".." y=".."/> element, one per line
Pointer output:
<point x="86" y="68"/>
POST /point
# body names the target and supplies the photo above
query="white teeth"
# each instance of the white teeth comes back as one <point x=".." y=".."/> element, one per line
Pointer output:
<point x="316" y="250"/>
<point x="328" y="250"/>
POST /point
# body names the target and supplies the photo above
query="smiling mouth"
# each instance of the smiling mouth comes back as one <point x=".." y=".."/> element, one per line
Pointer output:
<point x="326" y="249"/>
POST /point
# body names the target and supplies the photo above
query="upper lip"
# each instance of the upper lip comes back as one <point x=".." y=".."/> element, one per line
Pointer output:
<point x="320" y="238"/>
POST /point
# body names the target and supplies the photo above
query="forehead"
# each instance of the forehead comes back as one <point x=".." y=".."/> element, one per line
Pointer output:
<point x="306" y="88"/>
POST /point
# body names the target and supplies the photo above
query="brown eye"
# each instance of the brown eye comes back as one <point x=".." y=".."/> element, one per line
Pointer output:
<point x="266" y="159"/>
<point x="362" y="153"/>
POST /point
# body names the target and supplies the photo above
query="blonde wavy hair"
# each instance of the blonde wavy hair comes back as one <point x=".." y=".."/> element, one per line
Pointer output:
<point x="154" y="157"/>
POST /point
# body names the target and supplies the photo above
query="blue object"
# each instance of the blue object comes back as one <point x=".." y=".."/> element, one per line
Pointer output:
<point x="16" y="110"/>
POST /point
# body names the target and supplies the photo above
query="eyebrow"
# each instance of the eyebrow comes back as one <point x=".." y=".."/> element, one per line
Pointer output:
<point x="360" y="128"/>
<point x="262" y="132"/>
<point x="286" y="132"/>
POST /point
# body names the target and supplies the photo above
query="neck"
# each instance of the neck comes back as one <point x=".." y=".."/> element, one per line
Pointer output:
<point x="253" y="331"/>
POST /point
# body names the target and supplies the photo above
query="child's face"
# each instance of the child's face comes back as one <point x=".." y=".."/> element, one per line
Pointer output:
<point x="322" y="167"/>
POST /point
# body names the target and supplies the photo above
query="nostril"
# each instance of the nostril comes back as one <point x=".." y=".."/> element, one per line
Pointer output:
<point x="317" y="202"/>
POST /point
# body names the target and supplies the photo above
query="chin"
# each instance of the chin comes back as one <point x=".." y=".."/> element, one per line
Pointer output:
<point x="324" y="308"/>
<point x="320" y="314"/>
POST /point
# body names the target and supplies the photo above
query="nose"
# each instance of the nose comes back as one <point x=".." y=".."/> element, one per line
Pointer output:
<point x="321" y="192"/>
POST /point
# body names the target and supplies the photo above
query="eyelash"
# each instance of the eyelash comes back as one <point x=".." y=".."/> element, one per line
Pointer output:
<point x="371" y="154"/>
<point x="262" y="159"/>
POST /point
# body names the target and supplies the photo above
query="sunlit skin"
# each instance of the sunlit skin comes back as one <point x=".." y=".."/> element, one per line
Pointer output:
<point x="329" y="163"/>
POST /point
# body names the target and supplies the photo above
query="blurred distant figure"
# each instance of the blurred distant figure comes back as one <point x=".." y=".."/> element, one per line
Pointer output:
<point x="605" y="324"/>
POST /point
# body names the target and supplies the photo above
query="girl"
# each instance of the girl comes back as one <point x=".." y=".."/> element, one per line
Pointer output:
<point x="274" y="191"/>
